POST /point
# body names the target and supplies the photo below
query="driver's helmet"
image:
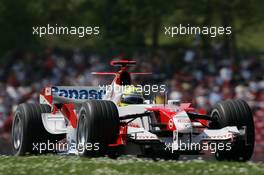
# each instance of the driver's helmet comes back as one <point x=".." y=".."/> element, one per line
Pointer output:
<point x="131" y="95"/>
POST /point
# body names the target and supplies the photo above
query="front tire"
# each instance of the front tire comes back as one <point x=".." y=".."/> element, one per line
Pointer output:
<point x="235" y="113"/>
<point x="98" y="126"/>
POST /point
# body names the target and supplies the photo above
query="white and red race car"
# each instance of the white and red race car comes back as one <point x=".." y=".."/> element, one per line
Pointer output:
<point x="90" y="121"/>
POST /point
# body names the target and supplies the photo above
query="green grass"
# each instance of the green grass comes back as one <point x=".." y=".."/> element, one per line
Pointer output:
<point x="48" y="165"/>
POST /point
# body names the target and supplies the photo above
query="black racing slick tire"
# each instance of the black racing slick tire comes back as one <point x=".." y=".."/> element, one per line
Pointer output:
<point x="28" y="131"/>
<point x="98" y="126"/>
<point x="235" y="113"/>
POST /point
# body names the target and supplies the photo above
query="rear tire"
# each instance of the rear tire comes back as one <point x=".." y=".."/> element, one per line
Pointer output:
<point x="28" y="129"/>
<point x="98" y="126"/>
<point x="235" y="113"/>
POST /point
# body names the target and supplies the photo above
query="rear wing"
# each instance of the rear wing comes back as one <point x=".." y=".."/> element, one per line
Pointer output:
<point x="123" y="76"/>
<point x="122" y="63"/>
<point x="67" y="94"/>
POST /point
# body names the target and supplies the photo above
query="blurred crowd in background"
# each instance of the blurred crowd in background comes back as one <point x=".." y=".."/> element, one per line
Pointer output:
<point x="190" y="77"/>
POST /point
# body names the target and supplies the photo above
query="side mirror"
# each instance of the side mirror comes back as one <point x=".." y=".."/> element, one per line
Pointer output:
<point x="147" y="102"/>
<point x="174" y="102"/>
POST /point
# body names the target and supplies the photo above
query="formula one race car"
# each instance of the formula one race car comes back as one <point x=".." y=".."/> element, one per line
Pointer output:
<point x="96" y="121"/>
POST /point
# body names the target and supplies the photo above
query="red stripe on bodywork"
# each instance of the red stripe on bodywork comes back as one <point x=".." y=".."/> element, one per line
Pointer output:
<point x="68" y="111"/>
<point x="122" y="136"/>
<point x="47" y="94"/>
